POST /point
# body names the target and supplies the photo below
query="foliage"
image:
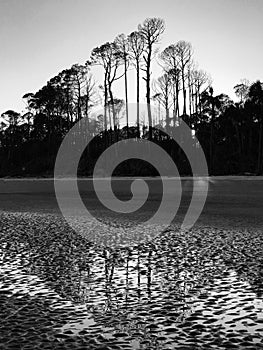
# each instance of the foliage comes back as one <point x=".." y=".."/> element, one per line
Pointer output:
<point x="230" y="133"/>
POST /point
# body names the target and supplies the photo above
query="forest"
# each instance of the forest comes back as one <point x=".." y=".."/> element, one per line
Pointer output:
<point x="230" y="133"/>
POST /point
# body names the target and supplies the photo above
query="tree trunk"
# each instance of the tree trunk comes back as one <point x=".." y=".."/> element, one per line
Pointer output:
<point x="196" y="100"/>
<point x="79" y="106"/>
<point x="87" y="112"/>
<point x="105" y="102"/>
<point x="148" y="93"/>
<point x="126" y="95"/>
<point x="177" y="100"/>
<point x="167" y="122"/>
<point x="138" y="98"/>
<point x="190" y="95"/>
<point x="113" y="113"/>
<point x="184" y="92"/>
<point x="174" y="106"/>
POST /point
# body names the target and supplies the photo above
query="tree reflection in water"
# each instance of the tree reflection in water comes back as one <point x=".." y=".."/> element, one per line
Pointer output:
<point x="150" y="292"/>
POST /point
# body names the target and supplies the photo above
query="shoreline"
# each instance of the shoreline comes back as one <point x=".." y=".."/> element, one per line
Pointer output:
<point x="87" y="178"/>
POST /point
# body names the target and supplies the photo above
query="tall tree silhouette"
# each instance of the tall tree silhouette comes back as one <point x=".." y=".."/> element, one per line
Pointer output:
<point x="184" y="53"/>
<point x="201" y="81"/>
<point x="151" y="30"/>
<point x="136" y="43"/>
<point x="100" y="56"/>
<point x="170" y="60"/>
<point x="122" y="45"/>
<point x="163" y="89"/>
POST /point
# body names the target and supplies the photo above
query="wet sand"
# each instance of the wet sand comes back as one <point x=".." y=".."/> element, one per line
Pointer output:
<point x="200" y="289"/>
<point x="231" y="201"/>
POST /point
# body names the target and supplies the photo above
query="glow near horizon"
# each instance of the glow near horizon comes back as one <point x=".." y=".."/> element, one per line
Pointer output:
<point x="38" y="39"/>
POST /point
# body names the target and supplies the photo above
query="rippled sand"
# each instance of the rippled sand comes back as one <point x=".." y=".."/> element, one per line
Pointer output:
<point x="200" y="289"/>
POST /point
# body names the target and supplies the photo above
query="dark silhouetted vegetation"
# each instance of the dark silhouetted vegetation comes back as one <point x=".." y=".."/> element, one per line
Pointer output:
<point x="231" y="133"/>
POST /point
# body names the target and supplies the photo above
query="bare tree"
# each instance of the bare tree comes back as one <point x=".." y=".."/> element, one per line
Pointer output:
<point x="151" y="30"/>
<point x="108" y="56"/>
<point x="184" y="53"/>
<point x="190" y="68"/>
<point x="175" y="78"/>
<point x="170" y="63"/>
<point x="136" y="44"/>
<point x="201" y="81"/>
<point x="76" y="78"/>
<point x="89" y="95"/>
<point x="163" y="89"/>
<point x="122" y="45"/>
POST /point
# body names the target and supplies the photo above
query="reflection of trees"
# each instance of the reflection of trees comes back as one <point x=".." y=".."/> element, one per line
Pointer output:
<point x="131" y="277"/>
<point x="126" y="288"/>
<point x="74" y="266"/>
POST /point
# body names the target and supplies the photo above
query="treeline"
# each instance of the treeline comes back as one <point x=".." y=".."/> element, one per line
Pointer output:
<point x="229" y="132"/>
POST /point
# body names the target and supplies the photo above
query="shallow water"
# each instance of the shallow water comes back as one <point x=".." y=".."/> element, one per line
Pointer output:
<point x="199" y="289"/>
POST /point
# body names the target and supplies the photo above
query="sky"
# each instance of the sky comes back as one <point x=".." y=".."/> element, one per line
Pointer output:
<point x="39" y="38"/>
